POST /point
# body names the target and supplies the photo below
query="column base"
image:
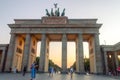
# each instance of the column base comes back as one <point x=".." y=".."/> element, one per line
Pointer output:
<point x="80" y="72"/>
<point x="97" y="73"/>
<point x="41" y="71"/>
<point x="64" y="72"/>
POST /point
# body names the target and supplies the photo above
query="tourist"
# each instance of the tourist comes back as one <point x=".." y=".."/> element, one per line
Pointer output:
<point x="10" y="69"/>
<point x="17" y="70"/>
<point x="33" y="71"/>
<point x="52" y="71"/>
<point x="71" y="72"/>
<point x="14" y="69"/>
<point x="49" y="70"/>
<point x="24" y="70"/>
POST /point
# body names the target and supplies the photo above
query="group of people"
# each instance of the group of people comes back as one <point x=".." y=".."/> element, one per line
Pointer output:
<point x="51" y="71"/>
<point x="15" y="70"/>
<point x="34" y="70"/>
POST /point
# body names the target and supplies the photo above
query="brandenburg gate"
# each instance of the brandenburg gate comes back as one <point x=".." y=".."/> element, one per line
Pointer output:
<point x="26" y="33"/>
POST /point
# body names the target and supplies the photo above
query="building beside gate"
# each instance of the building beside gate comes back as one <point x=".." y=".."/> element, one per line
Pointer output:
<point x="3" y="55"/>
<point x="111" y="57"/>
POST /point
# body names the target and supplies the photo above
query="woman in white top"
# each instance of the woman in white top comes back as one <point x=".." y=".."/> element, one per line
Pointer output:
<point x="71" y="72"/>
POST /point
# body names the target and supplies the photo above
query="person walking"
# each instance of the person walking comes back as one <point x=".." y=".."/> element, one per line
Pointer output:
<point x="52" y="71"/>
<point x="24" y="70"/>
<point x="14" y="69"/>
<point x="49" y="70"/>
<point x="71" y="72"/>
<point x="33" y="71"/>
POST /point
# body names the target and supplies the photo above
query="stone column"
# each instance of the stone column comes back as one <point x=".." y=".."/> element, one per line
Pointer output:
<point x="2" y="60"/>
<point x="106" y="62"/>
<point x="98" y="57"/>
<point x="79" y="55"/>
<point x="46" y="55"/>
<point x="64" y="53"/>
<point x="10" y="53"/>
<point x="116" y="59"/>
<point x="42" y="54"/>
<point x="26" y="53"/>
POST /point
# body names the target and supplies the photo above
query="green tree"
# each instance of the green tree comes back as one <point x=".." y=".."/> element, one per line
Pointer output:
<point x="86" y="64"/>
<point x="55" y="66"/>
<point x="51" y="63"/>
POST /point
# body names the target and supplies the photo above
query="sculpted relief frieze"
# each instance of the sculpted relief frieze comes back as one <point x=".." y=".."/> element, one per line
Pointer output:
<point x="54" y="20"/>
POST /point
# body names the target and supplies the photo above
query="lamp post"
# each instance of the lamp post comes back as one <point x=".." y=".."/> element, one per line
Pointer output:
<point x="110" y="56"/>
<point x="119" y="59"/>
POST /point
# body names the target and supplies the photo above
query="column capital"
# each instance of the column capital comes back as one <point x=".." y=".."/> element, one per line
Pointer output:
<point x="96" y="33"/>
<point x="43" y="33"/>
<point x="80" y="33"/>
<point x="12" y="34"/>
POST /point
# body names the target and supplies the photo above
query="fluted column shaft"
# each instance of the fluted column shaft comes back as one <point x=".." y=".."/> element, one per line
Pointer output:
<point x="64" y="53"/>
<point x="116" y="59"/>
<point x="27" y="49"/>
<point x="2" y="60"/>
<point x="10" y="53"/>
<point x="98" y="57"/>
<point x="106" y="62"/>
<point x="79" y="54"/>
<point x="42" y="53"/>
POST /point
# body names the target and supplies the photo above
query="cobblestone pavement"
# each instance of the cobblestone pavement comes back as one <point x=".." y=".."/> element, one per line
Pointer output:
<point x="45" y="76"/>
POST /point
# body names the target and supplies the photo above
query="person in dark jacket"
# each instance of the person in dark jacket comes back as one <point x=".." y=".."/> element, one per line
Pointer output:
<point x="24" y="70"/>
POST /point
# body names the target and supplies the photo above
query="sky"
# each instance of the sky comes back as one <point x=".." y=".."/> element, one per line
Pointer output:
<point x="106" y="11"/>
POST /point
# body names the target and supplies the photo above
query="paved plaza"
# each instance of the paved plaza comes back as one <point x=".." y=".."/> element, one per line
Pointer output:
<point x="45" y="76"/>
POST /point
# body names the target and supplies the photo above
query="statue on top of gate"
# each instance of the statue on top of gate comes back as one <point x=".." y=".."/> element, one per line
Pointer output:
<point x="56" y="12"/>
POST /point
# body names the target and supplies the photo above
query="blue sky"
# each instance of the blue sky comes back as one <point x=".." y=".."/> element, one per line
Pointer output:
<point x="106" y="11"/>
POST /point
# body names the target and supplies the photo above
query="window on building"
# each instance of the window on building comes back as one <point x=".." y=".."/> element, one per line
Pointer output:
<point x="34" y="43"/>
<point x="20" y="42"/>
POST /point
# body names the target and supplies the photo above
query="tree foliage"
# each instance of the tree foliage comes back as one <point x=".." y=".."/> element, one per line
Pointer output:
<point x="51" y="63"/>
<point x="86" y="64"/>
<point x="55" y="66"/>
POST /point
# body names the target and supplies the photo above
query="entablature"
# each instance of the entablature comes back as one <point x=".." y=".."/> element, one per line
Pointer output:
<point x="55" y="30"/>
<point x="55" y="25"/>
